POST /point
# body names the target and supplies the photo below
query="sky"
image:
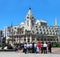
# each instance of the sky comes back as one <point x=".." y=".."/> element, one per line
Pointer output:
<point x="14" y="11"/>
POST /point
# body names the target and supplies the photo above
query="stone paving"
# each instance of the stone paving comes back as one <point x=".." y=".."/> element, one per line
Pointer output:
<point x="55" y="53"/>
<point x="56" y="50"/>
<point x="15" y="54"/>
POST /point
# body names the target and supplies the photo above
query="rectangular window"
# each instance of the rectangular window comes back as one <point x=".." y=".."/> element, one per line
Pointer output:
<point x="28" y="22"/>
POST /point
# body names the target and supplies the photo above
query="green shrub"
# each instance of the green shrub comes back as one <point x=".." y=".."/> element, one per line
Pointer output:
<point x="3" y="46"/>
<point x="56" y="44"/>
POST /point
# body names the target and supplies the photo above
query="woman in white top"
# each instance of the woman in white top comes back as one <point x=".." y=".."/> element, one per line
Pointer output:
<point x="44" y="48"/>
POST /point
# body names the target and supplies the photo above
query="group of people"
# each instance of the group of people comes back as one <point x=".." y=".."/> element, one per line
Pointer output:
<point x="35" y="47"/>
<point x="39" y="47"/>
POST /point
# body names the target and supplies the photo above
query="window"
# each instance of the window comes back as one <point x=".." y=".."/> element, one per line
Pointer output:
<point x="39" y="26"/>
<point x="43" y="29"/>
<point x="37" y="39"/>
<point x="28" y="22"/>
<point x="52" y="27"/>
<point x="22" y="31"/>
<point x="32" y="31"/>
<point x="49" y="27"/>
<point x="33" y="39"/>
<point x="48" y="33"/>
<point x="37" y="29"/>
<point x="28" y="39"/>
<point x="41" y="39"/>
<point x="32" y="17"/>
<point x="40" y="29"/>
<point x="53" y="33"/>
<point x="41" y="33"/>
<point x="24" y="39"/>
<point x="50" y="30"/>
<point x="44" y="39"/>
<point x="47" y="30"/>
<point x="42" y="26"/>
<point x="51" y="39"/>
<point x="27" y="17"/>
<point x="36" y="26"/>
<point x="26" y="30"/>
<point x="37" y="32"/>
<point x="53" y="30"/>
<point x="44" y="33"/>
<point x="15" y="27"/>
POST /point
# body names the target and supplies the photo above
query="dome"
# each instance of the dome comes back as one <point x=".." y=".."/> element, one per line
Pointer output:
<point x="37" y="21"/>
<point x="22" y="23"/>
<point x="43" y="21"/>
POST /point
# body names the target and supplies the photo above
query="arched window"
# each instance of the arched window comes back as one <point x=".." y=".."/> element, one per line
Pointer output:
<point x="27" y="17"/>
<point x="28" y="22"/>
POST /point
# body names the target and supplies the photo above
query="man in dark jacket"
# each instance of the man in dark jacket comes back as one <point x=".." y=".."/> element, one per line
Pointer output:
<point x="49" y="47"/>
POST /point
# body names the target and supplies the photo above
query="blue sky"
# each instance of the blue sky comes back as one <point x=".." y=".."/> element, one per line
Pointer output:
<point x="14" y="11"/>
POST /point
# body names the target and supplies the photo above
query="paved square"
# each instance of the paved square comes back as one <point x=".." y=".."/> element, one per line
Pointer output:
<point x="16" y="54"/>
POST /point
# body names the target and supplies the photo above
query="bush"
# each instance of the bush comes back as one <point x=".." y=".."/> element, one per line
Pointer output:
<point x="56" y="44"/>
<point x="3" y="46"/>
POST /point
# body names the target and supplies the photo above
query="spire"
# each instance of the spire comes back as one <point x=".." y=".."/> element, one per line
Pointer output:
<point x="11" y="24"/>
<point x="29" y="8"/>
<point x="56" y="23"/>
<point x="29" y="14"/>
<point x="29" y="19"/>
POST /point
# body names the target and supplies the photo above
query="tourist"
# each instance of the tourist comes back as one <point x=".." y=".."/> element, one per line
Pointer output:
<point x="35" y="47"/>
<point x="39" y="46"/>
<point x="49" y="47"/>
<point x="25" y="48"/>
<point x="30" y="47"/>
<point x="44" y="48"/>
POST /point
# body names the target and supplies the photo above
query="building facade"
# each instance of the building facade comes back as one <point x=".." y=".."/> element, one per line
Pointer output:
<point x="32" y="30"/>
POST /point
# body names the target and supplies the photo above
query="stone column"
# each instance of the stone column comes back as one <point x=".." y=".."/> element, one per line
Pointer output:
<point x="58" y="38"/>
<point x="17" y="39"/>
<point x="22" y="39"/>
<point x="30" y="39"/>
<point x="26" y="38"/>
<point x="35" y="39"/>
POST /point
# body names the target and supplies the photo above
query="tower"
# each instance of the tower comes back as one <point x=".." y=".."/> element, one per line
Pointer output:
<point x="56" y="23"/>
<point x="29" y="20"/>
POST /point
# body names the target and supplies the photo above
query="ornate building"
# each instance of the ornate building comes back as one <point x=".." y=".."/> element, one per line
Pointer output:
<point x="32" y="30"/>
